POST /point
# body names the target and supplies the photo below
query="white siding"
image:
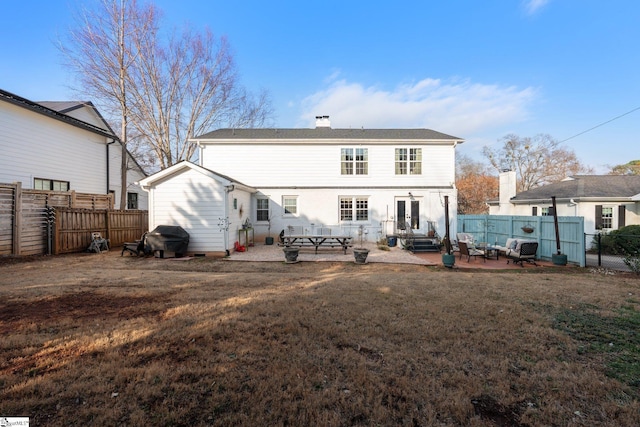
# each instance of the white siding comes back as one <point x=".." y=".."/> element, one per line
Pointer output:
<point x="313" y="165"/>
<point x="133" y="175"/>
<point x="196" y="203"/>
<point x="88" y="115"/>
<point x="35" y="146"/>
<point x="321" y="207"/>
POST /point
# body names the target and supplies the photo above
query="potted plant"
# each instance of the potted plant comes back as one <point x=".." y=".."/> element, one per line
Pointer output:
<point x="268" y="240"/>
<point x="290" y="253"/>
<point x="360" y="253"/>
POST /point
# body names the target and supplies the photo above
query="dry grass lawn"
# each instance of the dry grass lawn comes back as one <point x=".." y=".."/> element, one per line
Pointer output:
<point x="102" y="340"/>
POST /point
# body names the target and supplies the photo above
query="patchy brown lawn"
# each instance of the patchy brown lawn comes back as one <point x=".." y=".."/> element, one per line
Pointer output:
<point x="93" y="339"/>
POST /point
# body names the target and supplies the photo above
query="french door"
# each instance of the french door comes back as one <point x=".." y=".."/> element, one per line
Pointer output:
<point x="408" y="214"/>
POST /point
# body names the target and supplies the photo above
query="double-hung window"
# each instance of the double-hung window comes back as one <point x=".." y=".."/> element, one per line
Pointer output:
<point x="354" y="208"/>
<point x="354" y="161"/>
<point x="408" y="161"/>
<point x="290" y="205"/>
<point x="262" y="209"/>
<point x="605" y="217"/>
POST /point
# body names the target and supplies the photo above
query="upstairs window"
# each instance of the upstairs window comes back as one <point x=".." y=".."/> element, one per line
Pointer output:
<point x="354" y="208"/>
<point x="408" y="161"/>
<point x="50" y="185"/>
<point x="354" y="160"/>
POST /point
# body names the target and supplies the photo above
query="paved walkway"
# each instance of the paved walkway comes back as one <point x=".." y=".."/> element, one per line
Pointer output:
<point x="395" y="255"/>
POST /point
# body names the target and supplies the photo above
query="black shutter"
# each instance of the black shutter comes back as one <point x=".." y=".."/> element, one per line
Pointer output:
<point x="598" y="217"/>
<point x="534" y="211"/>
<point x="621" y="214"/>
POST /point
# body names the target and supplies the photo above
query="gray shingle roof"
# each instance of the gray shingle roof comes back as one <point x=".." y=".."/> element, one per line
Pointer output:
<point x="328" y="133"/>
<point x="586" y="186"/>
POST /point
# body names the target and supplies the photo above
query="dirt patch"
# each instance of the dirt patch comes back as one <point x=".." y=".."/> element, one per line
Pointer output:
<point x="79" y="307"/>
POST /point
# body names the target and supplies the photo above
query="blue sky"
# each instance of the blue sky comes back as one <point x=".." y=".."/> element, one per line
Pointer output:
<point x="478" y="70"/>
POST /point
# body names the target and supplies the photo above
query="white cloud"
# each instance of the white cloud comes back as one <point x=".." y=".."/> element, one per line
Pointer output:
<point x="532" y="6"/>
<point x="458" y="107"/>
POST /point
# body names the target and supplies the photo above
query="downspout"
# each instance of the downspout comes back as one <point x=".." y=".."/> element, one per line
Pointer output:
<point x="227" y="189"/>
<point x="108" y="181"/>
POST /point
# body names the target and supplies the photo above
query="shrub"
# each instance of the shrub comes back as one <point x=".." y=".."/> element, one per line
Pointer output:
<point x="624" y="241"/>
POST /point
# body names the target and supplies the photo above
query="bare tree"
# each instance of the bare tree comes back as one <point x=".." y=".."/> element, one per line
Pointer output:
<point x="476" y="185"/>
<point x="537" y="161"/>
<point x="165" y="90"/>
<point x="184" y="89"/>
<point x="101" y="52"/>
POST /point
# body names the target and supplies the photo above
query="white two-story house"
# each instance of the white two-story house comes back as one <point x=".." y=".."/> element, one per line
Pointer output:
<point x="63" y="146"/>
<point x="315" y="180"/>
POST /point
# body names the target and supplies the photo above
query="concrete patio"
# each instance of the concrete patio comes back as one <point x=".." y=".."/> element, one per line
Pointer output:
<point x="395" y="255"/>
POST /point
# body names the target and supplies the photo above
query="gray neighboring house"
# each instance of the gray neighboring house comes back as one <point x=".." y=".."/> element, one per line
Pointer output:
<point x="607" y="202"/>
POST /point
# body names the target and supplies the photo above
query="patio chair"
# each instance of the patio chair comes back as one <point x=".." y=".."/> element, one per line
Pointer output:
<point x="136" y="248"/>
<point x="525" y="251"/>
<point x="98" y="243"/>
<point x="470" y="251"/>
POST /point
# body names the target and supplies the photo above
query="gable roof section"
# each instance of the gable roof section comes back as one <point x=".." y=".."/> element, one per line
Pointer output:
<point x="184" y="165"/>
<point x="46" y="111"/>
<point x="320" y="134"/>
<point x="66" y="107"/>
<point x="585" y="186"/>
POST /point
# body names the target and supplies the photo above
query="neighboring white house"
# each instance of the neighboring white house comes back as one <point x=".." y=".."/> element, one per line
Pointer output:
<point x="607" y="202"/>
<point x="63" y="146"/>
<point x="324" y="178"/>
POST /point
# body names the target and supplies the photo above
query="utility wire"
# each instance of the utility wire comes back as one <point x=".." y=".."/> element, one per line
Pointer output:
<point x="601" y="124"/>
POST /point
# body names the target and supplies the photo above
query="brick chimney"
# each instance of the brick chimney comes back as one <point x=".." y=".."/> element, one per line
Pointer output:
<point x="323" y="122"/>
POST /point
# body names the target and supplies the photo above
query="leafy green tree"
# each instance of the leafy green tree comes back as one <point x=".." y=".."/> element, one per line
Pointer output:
<point x="631" y="168"/>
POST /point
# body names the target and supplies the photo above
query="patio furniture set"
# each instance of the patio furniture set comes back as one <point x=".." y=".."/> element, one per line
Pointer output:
<point x="515" y="250"/>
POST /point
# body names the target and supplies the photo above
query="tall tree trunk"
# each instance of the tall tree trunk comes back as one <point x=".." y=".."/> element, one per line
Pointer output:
<point x="123" y="92"/>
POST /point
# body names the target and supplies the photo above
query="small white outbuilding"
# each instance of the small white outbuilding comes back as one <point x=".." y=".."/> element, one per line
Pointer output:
<point x="211" y="207"/>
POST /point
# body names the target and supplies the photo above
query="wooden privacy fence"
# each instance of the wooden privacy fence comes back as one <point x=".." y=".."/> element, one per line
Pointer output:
<point x="498" y="228"/>
<point x="73" y="227"/>
<point x="25" y="230"/>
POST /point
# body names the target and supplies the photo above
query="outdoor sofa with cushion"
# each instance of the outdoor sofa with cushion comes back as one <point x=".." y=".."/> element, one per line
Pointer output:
<point x="513" y="248"/>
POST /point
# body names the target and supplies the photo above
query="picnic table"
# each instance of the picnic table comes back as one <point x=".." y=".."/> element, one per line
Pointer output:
<point x="317" y="241"/>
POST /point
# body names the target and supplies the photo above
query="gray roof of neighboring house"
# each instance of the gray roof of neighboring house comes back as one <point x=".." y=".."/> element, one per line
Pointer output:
<point x="328" y="133"/>
<point x="592" y="186"/>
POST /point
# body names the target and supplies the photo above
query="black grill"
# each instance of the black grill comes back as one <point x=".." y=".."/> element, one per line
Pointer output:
<point x="168" y="241"/>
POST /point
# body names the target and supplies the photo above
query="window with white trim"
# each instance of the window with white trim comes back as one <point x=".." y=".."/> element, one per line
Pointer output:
<point x="132" y="200"/>
<point x="408" y="161"/>
<point x="607" y="217"/>
<point x="354" y="160"/>
<point x="290" y="205"/>
<point x="262" y="209"/>
<point x="354" y="208"/>
<point x="50" y="184"/>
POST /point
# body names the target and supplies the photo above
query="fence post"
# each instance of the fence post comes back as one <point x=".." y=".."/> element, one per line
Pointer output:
<point x="107" y="214"/>
<point x="17" y="218"/>
<point x="599" y="239"/>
